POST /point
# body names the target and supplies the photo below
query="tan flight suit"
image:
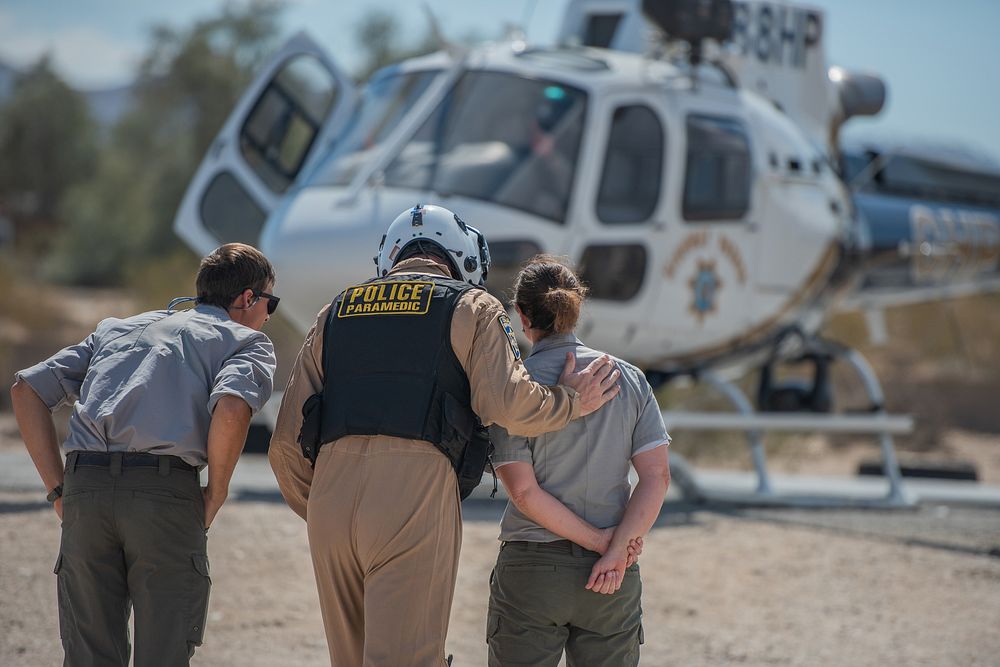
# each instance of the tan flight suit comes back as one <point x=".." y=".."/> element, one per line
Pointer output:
<point x="383" y="513"/>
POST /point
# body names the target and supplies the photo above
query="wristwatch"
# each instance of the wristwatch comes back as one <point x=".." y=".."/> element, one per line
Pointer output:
<point x="55" y="494"/>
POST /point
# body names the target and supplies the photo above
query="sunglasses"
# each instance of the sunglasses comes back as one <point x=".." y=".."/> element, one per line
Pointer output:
<point x="272" y="301"/>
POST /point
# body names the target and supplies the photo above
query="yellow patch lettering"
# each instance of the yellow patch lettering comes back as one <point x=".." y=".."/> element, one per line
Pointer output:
<point x="404" y="297"/>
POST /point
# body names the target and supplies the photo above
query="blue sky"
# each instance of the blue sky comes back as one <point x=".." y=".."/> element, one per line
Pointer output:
<point x="941" y="60"/>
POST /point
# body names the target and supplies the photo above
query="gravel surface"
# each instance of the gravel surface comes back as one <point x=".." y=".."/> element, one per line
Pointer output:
<point x="721" y="586"/>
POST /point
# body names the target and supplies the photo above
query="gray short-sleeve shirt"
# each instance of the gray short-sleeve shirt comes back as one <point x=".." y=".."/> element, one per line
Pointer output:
<point x="586" y="464"/>
<point x="149" y="383"/>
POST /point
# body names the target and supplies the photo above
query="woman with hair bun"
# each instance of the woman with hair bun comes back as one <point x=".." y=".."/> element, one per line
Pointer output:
<point x="566" y="576"/>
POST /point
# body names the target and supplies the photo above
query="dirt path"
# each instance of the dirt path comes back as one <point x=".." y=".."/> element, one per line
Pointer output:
<point x="744" y="589"/>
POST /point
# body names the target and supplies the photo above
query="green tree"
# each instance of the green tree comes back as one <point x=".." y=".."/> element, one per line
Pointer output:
<point x="47" y="144"/>
<point x="121" y="221"/>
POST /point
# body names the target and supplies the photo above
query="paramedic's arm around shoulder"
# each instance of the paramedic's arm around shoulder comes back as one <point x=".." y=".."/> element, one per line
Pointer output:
<point x="502" y="391"/>
<point x="291" y="468"/>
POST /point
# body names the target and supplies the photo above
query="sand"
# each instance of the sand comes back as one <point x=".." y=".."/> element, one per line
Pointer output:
<point x="720" y="587"/>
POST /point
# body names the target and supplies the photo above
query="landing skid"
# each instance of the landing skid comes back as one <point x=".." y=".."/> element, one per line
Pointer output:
<point x="754" y="424"/>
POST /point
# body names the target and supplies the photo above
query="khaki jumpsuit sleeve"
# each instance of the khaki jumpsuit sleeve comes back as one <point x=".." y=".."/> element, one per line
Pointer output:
<point x="292" y="470"/>
<point x="502" y="391"/>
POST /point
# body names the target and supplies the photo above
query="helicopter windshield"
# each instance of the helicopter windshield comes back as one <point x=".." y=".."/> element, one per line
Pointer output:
<point x="384" y="101"/>
<point x="501" y="138"/>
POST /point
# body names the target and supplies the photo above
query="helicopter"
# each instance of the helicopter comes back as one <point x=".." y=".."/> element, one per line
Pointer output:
<point x="684" y="155"/>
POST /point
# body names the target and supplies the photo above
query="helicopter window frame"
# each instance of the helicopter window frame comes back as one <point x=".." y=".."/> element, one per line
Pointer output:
<point x="440" y="130"/>
<point x="620" y="216"/>
<point x="276" y="159"/>
<point x="336" y="168"/>
<point x="717" y="208"/>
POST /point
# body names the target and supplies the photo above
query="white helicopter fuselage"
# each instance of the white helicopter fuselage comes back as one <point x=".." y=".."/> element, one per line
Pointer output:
<point x="679" y="287"/>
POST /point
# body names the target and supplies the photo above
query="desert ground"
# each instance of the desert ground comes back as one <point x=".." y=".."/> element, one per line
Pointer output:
<point x="722" y="586"/>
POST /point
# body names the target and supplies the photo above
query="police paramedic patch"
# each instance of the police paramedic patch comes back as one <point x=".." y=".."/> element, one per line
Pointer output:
<point x="505" y="325"/>
<point x="405" y="297"/>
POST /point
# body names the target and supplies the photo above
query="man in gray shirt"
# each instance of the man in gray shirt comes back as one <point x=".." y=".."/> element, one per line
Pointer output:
<point x="156" y="398"/>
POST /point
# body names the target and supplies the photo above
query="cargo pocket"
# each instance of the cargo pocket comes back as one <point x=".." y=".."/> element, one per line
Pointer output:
<point x="199" y="608"/>
<point x="492" y="625"/>
<point x="62" y="595"/>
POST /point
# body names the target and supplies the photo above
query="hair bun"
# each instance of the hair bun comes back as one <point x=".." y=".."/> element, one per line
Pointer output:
<point x="549" y="294"/>
<point x="564" y="304"/>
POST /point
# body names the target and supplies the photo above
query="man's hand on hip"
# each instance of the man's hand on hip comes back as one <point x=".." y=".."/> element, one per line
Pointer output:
<point x="596" y="384"/>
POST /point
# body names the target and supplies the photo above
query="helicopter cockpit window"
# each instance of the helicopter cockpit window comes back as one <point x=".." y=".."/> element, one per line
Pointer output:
<point x="501" y="138"/>
<point x="717" y="182"/>
<point x="384" y="101"/>
<point x="280" y="129"/>
<point x="633" y="167"/>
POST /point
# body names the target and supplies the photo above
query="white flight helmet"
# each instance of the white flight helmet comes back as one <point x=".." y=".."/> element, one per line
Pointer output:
<point x="463" y="244"/>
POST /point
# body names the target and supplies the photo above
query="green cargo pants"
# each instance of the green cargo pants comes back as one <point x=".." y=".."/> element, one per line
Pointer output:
<point x="539" y="607"/>
<point x="132" y="537"/>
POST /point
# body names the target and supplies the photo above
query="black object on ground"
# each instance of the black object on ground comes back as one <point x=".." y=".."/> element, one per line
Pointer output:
<point x="957" y="470"/>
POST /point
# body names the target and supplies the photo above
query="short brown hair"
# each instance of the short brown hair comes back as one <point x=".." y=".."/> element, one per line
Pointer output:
<point x="229" y="270"/>
<point x="549" y="294"/>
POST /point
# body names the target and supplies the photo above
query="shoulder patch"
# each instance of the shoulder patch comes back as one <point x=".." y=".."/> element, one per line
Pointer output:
<point x="505" y="325"/>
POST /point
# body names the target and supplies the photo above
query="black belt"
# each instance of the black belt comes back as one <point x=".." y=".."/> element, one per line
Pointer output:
<point x="128" y="459"/>
<point x="564" y="546"/>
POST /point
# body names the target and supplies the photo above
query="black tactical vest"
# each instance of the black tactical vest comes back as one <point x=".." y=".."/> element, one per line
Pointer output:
<point x="390" y="368"/>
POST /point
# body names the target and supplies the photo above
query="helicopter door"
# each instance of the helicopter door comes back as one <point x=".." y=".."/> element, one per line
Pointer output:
<point x="706" y="296"/>
<point x="618" y="204"/>
<point x="279" y="124"/>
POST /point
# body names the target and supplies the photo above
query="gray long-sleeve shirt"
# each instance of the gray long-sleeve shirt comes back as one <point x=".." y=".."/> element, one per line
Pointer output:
<point x="585" y="465"/>
<point x="149" y="383"/>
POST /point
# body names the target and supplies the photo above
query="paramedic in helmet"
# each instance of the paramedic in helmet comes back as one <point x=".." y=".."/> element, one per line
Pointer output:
<point x="381" y="432"/>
